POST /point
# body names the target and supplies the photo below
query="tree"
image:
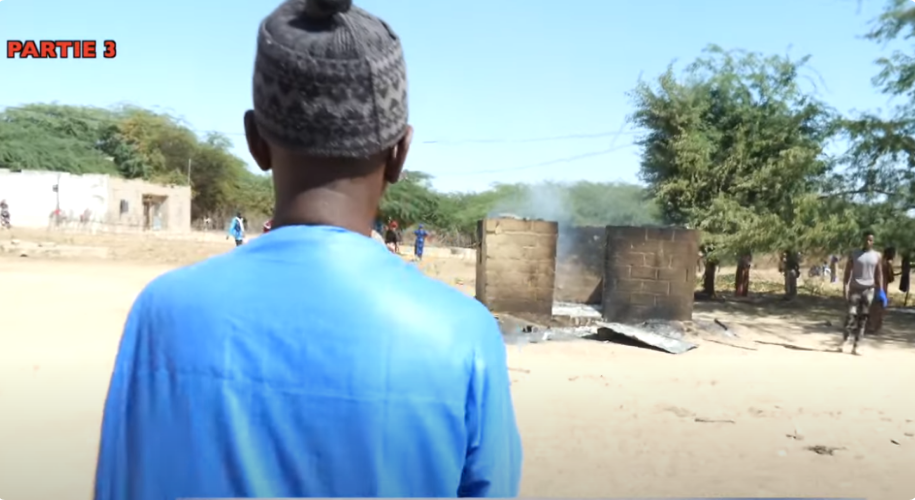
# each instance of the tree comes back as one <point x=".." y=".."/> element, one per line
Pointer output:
<point x="880" y="176"/>
<point x="136" y="143"/>
<point x="133" y="143"/>
<point x="411" y="201"/>
<point x="731" y="147"/>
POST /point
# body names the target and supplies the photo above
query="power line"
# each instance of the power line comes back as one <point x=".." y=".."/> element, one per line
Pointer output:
<point x="442" y="142"/>
<point x="536" y="165"/>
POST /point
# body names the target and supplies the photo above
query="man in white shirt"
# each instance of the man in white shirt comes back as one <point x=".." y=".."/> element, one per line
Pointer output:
<point x="863" y="277"/>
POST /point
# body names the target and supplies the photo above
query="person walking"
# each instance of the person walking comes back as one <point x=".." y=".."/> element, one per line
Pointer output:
<point x="392" y="237"/>
<point x="304" y="364"/>
<point x="237" y="229"/>
<point x="421" y="234"/>
<point x="860" y="284"/>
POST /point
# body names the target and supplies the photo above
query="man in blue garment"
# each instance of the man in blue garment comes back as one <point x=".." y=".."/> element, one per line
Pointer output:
<point x="237" y="229"/>
<point x="292" y="367"/>
<point x="420" y="242"/>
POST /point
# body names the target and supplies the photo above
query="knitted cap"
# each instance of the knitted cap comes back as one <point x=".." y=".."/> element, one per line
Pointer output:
<point x="329" y="80"/>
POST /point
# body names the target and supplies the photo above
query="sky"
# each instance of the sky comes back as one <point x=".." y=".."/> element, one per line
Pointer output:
<point x="488" y="79"/>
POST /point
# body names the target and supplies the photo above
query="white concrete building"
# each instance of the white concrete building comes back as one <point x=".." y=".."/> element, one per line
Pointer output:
<point x="101" y="201"/>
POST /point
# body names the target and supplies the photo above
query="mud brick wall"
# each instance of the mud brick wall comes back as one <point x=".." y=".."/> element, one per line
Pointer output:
<point x="650" y="273"/>
<point x="580" y="264"/>
<point x="516" y="265"/>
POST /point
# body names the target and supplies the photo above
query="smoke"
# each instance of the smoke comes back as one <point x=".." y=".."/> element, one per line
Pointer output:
<point x="545" y="201"/>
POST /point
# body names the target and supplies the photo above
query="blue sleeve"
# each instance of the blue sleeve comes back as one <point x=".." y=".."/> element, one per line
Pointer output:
<point x="112" y="480"/>
<point x="493" y="465"/>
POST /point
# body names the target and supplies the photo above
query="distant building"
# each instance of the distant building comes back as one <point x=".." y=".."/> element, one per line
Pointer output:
<point x="96" y="201"/>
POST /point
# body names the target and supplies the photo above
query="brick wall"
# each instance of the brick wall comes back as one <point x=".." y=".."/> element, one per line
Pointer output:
<point x="516" y="265"/>
<point x="650" y="273"/>
<point x="580" y="264"/>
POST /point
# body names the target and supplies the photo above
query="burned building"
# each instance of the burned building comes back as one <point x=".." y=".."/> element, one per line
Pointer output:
<point x="649" y="273"/>
<point x="516" y="265"/>
<point x="631" y="273"/>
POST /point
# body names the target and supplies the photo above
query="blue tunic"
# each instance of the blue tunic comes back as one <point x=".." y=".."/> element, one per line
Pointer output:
<point x="291" y="367"/>
<point x="420" y="241"/>
<point x="236" y="229"/>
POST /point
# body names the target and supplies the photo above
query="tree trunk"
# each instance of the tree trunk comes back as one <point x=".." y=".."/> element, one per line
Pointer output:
<point x="708" y="279"/>
<point x="792" y="271"/>
<point x="742" y="278"/>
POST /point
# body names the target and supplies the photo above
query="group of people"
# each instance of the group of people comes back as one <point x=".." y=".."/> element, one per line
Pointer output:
<point x="393" y="237"/>
<point x="865" y="286"/>
<point x="312" y="362"/>
<point x="392" y="234"/>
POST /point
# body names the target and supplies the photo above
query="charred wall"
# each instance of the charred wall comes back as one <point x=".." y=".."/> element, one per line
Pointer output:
<point x="516" y="265"/>
<point x="649" y="273"/>
<point x="580" y="264"/>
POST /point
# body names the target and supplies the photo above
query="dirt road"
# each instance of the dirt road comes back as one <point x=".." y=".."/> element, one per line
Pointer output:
<point x="597" y="419"/>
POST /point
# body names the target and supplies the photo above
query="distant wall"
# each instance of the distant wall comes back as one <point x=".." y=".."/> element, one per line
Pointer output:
<point x="580" y="264"/>
<point x="32" y="198"/>
<point x="516" y="265"/>
<point x="650" y="273"/>
<point x="98" y="199"/>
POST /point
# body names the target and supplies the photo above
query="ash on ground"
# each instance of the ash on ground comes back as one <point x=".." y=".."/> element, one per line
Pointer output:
<point x="584" y="322"/>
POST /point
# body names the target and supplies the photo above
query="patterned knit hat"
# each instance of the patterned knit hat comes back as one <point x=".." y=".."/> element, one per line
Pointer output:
<point x="329" y="80"/>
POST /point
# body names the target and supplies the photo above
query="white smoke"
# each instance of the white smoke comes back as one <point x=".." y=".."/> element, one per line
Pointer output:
<point x="545" y="201"/>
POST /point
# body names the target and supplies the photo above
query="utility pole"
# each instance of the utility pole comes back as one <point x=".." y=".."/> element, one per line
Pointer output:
<point x="188" y="171"/>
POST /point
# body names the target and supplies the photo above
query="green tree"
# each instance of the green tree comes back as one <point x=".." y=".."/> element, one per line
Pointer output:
<point x="880" y="176"/>
<point x="134" y="143"/>
<point x="731" y="147"/>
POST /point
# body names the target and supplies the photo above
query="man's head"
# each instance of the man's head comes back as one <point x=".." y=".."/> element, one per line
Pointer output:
<point x="868" y="240"/>
<point x="889" y="253"/>
<point x="330" y="111"/>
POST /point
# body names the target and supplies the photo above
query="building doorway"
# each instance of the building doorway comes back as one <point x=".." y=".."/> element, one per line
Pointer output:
<point x="154" y="212"/>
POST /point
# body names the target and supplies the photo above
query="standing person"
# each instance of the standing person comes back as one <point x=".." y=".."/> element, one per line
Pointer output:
<point x="862" y="279"/>
<point x="878" y="309"/>
<point x="279" y="370"/>
<point x="4" y="215"/>
<point x="237" y="229"/>
<point x="420" y="242"/>
<point x="392" y="237"/>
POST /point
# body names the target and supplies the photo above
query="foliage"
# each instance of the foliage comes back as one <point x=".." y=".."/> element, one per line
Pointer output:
<point x="137" y="143"/>
<point x="880" y="174"/>
<point x="454" y="215"/>
<point x="134" y="143"/>
<point x="735" y="146"/>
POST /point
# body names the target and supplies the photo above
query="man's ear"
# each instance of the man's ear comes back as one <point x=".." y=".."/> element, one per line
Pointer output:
<point x="257" y="146"/>
<point x="398" y="157"/>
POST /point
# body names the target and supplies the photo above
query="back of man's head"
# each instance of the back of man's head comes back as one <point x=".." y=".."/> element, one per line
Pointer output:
<point x="329" y="80"/>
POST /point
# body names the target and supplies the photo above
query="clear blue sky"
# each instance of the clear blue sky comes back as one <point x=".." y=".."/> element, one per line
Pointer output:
<point x="478" y="69"/>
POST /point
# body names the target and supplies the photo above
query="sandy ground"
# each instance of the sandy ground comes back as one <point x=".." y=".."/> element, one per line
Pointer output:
<point x="597" y="419"/>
